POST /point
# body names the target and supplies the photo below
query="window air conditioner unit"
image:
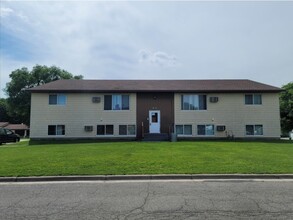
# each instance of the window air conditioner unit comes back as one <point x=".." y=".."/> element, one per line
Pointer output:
<point x="88" y="128"/>
<point x="221" y="127"/>
<point x="214" y="99"/>
<point x="96" y="99"/>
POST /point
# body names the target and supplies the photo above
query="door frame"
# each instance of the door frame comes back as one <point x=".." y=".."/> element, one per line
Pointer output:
<point x="155" y="127"/>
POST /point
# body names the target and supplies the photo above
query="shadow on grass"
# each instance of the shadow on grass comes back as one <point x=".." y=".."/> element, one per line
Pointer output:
<point x="75" y="141"/>
<point x="91" y="141"/>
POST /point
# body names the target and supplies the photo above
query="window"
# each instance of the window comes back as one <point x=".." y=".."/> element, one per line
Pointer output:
<point x="254" y="129"/>
<point x="122" y="129"/>
<point x="126" y="129"/>
<point x="57" y="99"/>
<point x="193" y="102"/>
<point x="205" y="130"/>
<point x="9" y="132"/>
<point x="154" y="118"/>
<point x="2" y="131"/>
<point x="184" y="129"/>
<point x="253" y="99"/>
<point x="105" y="129"/>
<point x="116" y="102"/>
<point x="56" y="129"/>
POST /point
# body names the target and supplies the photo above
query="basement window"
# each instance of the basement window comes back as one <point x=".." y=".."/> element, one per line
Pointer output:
<point x="254" y="130"/>
<point x="184" y="129"/>
<point x="105" y="129"/>
<point x="206" y="130"/>
<point x="126" y="129"/>
<point x="56" y="130"/>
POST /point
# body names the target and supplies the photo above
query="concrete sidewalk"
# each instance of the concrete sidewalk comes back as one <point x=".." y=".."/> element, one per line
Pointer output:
<point x="146" y="177"/>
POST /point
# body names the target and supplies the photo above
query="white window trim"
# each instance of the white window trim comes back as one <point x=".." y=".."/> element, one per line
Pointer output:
<point x="253" y="104"/>
<point x="57" y="135"/>
<point x="254" y="135"/>
<point x="203" y="110"/>
<point x="57" y="104"/>
<point x="105" y="135"/>
<point x="204" y="135"/>
<point x="194" y="110"/>
<point x="118" y="110"/>
<point x="184" y="135"/>
<point x="127" y="135"/>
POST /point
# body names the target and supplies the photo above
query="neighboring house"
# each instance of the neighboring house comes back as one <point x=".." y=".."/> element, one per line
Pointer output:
<point x="133" y="108"/>
<point x="20" y="129"/>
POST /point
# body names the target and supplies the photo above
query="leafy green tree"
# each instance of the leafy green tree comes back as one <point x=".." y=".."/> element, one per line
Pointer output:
<point x="3" y="111"/>
<point x="19" y="99"/>
<point x="286" y="108"/>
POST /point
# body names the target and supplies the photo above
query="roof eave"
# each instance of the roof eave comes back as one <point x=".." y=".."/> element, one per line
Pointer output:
<point x="150" y="91"/>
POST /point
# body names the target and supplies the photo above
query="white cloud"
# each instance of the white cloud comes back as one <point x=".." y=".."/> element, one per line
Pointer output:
<point x="107" y="40"/>
<point x="157" y="58"/>
<point x="5" y="12"/>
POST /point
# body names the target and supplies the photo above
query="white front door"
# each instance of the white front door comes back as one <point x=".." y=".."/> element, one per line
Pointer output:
<point x="155" y="121"/>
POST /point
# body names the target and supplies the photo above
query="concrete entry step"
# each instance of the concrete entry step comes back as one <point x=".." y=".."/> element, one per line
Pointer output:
<point x="156" y="137"/>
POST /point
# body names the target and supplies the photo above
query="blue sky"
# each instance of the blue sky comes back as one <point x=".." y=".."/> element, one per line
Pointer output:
<point x="150" y="40"/>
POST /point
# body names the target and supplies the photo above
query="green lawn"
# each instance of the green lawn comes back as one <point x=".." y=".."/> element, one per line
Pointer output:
<point x="199" y="157"/>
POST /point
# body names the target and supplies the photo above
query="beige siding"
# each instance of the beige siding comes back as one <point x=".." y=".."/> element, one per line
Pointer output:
<point x="231" y="111"/>
<point x="78" y="112"/>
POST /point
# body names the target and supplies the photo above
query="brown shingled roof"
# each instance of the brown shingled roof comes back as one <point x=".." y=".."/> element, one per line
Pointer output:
<point x="3" y="124"/>
<point x="14" y="126"/>
<point x="17" y="127"/>
<point x="155" y="85"/>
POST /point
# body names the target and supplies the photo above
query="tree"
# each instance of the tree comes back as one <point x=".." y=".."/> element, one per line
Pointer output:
<point x="19" y="99"/>
<point x="3" y="111"/>
<point x="286" y="108"/>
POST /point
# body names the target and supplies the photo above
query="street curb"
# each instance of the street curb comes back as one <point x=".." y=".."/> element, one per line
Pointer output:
<point x="145" y="177"/>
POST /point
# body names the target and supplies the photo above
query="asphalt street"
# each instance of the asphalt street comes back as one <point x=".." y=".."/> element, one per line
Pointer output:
<point x="188" y="199"/>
